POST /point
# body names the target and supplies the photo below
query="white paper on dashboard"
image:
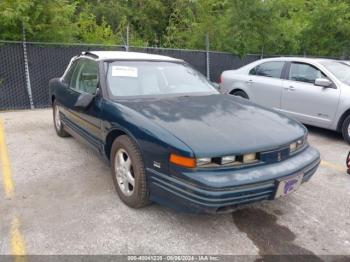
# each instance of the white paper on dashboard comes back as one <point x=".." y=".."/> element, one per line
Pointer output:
<point x="124" y="71"/>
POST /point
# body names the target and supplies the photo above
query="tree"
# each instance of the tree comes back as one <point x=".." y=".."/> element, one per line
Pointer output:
<point x="315" y="27"/>
<point x="91" y="32"/>
<point x="180" y="28"/>
<point x="328" y="30"/>
<point x="43" y="20"/>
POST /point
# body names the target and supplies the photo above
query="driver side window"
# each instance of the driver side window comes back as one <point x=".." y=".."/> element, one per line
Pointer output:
<point x="304" y="73"/>
<point x="85" y="77"/>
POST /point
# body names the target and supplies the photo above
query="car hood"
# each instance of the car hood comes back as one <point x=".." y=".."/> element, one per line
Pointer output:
<point x="216" y="125"/>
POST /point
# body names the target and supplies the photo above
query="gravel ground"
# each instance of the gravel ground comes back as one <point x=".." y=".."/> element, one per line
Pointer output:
<point x="64" y="203"/>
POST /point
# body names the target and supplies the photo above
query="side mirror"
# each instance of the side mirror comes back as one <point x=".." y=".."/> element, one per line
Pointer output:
<point x="323" y="82"/>
<point x="85" y="100"/>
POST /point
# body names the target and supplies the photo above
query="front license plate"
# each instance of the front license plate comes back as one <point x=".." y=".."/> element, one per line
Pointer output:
<point x="288" y="185"/>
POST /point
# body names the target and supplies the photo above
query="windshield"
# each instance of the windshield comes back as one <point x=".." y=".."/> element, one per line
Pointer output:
<point x="339" y="69"/>
<point x="147" y="78"/>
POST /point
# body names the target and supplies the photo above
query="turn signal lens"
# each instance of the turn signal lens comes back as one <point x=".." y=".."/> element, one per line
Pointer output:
<point x="248" y="158"/>
<point x="182" y="161"/>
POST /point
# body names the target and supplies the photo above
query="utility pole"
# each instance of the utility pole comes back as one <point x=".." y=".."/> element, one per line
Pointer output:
<point x="207" y="47"/>
<point x="127" y="38"/>
<point x="26" y="67"/>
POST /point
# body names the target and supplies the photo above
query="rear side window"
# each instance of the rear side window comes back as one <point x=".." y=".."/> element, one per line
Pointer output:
<point x="304" y="73"/>
<point x="268" y="69"/>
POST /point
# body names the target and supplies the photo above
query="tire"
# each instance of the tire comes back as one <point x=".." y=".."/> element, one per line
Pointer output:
<point x="57" y="121"/>
<point x="240" y="94"/>
<point x="346" y="129"/>
<point x="135" y="196"/>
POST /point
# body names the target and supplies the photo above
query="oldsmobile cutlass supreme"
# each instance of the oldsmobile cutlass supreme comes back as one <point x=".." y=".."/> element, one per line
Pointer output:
<point x="173" y="139"/>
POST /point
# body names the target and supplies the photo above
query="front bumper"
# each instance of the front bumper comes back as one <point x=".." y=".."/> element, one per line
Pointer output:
<point x="222" y="191"/>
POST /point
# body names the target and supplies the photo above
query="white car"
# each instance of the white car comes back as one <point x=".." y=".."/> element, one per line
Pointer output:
<point x="314" y="91"/>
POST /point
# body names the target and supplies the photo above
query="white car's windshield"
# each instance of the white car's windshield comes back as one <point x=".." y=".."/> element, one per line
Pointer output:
<point x="151" y="78"/>
<point x="339" y="69"/>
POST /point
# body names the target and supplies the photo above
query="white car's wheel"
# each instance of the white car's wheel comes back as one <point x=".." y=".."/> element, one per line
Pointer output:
<point x="346" y="129"/>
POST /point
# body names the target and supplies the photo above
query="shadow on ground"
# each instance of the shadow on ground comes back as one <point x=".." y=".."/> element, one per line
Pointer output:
<point x="270" y="237"/>
<point x="325" y="133"/>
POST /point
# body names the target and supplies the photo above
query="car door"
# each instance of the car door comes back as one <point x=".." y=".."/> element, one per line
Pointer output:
<point x="64" y="95"/>
<point x="85" y="122"/>
<point x="303" y="100"/>
<point x="265" y="84"/>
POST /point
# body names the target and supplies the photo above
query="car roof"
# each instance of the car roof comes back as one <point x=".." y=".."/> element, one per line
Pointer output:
<point x="300" y="59"/>
<point x="122" y="55"/>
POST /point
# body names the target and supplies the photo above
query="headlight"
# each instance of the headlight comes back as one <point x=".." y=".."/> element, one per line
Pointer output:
<point x="228" y="160"/>
<point x="298" y="144"/>
<point x="293" y="147"/>
<point x="249" y="158"/>
<point x="217" y="161"/>
<point x="203" y="161"/>
<point x="214" y="161"/>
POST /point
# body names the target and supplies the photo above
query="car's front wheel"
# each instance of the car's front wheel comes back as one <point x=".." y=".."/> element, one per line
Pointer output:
<point x="346" y="129"/>
<point x="57" y="121"/>
<point x="128" y="172"/>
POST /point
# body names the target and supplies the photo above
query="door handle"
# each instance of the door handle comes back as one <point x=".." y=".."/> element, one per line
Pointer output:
<point x="290" y="88"/>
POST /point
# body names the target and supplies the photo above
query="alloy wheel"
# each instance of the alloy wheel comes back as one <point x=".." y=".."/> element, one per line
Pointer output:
<point x="124" y="172"/>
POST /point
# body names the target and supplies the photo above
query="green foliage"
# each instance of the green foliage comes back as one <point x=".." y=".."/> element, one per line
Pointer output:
<point x="43" y="20"/>
<point x="329" y="32"/>
<point x="179" y="31"/>
<point x="91" y="32"/>
<point x="11" y="17"/>
<point x="314" y="27"/>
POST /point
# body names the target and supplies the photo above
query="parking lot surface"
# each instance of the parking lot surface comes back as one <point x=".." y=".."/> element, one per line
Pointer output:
<point x="57" y="197"/>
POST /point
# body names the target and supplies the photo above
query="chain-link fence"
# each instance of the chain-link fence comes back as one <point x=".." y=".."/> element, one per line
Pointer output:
<point x="26" y="68"/>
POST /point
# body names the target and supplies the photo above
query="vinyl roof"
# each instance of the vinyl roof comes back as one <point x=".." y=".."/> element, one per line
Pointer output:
<point x="122" y="55"/>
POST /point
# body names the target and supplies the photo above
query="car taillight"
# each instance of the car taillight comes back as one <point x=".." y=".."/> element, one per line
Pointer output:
<point x="221" y="79"/>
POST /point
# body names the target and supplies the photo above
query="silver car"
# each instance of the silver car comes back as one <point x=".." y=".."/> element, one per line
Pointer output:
<point x="314" y="91"/>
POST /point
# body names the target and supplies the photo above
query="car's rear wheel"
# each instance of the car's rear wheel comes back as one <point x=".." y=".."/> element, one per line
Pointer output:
<point x="57" y="121"/>
<point x="128" y="172"/>
<point x="346" y="129"/>
<point x="240" y="94"/>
